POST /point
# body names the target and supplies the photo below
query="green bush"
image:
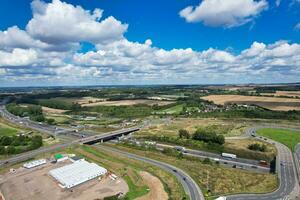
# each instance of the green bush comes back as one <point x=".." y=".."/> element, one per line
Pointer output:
<point x="208" y="136"/>
<point x="182" y="133"/>
<point x="258" y="147"/>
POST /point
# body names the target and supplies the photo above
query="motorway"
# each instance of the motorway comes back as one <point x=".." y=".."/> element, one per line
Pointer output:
<point x="297" y="160"/>
<point x="289" y="187"/>
<point x="240" y="163"/>
<point x="191" y="188"/>
<point x="285" y="162"/>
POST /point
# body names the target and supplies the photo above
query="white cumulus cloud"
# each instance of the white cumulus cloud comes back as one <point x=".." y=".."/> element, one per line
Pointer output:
<point x="58" y="22"/>
<point x="225" y="13"/>
<point x="18" y="57"/>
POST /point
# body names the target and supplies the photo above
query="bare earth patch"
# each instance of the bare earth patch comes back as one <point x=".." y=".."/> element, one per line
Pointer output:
<point x="36" y="184"/>
<point x="156" y="188"/>
<point x="272" y="103"/>
<point x="53" y="110"/>
<point x="88" y="100"/>
<point x="128" y="103"/>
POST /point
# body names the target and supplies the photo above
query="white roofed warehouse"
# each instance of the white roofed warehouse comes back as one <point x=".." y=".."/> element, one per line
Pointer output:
<point x="76" y="173"/>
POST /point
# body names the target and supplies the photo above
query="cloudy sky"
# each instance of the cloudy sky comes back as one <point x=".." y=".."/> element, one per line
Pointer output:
<point x="99" y="42"/>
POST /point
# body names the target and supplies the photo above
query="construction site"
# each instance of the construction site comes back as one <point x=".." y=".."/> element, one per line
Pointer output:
<point x="63" y="177"/>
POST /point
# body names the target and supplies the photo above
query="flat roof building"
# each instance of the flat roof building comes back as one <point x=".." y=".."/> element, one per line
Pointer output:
<point x="76" y="173"/>
<point x="34" y="163"/>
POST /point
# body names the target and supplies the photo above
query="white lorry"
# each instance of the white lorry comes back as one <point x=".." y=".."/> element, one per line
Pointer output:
<point x="228" y="155"/>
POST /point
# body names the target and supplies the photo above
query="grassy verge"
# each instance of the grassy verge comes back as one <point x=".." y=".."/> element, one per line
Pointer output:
<point x="287" y="137"/>
<point x="221" y="181"/>
<point x="134" y="190"/>
<point x="6" y="129"/>
<point x="129" y="168"/>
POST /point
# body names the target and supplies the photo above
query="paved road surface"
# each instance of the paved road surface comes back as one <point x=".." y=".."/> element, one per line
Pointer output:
<point x="189" y="185"/>
<point x="285" y="164"/>
<point x="286" y="171"/>
<point x="297" y="160"/>
<point x="246" y="164"/>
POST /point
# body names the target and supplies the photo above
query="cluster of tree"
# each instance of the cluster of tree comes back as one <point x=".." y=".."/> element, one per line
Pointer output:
<point x="258" y="147"/>
<point x="273" y="89"/>
<point x="208" y="136"/>
<point x="257" y="113"/>
<point x="203" y="134"/>
<point x="122" y="111"/>
<point x="34" y="112"/>
<point x="59" y="104"/>
<point x="182" y="133"/>
<point x="19" y="144"/>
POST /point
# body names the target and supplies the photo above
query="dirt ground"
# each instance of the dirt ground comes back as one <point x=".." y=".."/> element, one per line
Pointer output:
<point x="128" y="103"/>
<point x="272" y="103"/>
<point x="171" y="127"/>
<point x="53" y="110"/>
<point x="87" y="100"/>
<point x="156" y="188"/>
<point x="36" y="184"/>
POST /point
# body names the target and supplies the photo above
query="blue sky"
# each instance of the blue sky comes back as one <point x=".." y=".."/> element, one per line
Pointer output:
<point x="188" y="41"/>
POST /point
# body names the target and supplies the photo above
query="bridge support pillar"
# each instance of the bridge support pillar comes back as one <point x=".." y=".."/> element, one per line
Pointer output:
<point x="101" y="141"/>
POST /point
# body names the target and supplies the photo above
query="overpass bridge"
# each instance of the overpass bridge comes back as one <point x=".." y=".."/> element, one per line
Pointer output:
<point x="108" y="136"/>
<point x="88" y="140"/>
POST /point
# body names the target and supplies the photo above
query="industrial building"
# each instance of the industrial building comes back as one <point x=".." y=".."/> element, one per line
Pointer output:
<point x="76" y="173"/>
<point x="34" y="163"/>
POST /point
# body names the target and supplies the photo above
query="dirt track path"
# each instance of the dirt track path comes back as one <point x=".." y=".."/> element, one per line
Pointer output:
<point x="156" y="188"/>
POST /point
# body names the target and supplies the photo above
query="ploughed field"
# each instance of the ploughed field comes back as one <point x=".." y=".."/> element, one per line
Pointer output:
<point x="284" y="93"/>
<point x="272" y="103"/>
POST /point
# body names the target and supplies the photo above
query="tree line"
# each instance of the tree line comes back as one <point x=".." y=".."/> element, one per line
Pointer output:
<point x="19" y="144"/>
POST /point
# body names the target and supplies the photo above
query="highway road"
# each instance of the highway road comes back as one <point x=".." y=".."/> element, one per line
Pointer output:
<point x="285" y="162"/>
<point x="240" y="163"/>
<point x="297" y="160"/>
<point x="31" y="154"/>
<point x="288" y="188"/>
<point x="191" y="188"/>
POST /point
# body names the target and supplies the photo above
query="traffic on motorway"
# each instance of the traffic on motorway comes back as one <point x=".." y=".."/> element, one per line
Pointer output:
<point x="286" y="168"/>
<point x="224" y="160"/>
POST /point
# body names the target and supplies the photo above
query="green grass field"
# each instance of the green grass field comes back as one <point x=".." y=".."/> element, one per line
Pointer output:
<point x="6" y="130"/>
<point x="173" y="110"/>
<point x="287" y="137"/>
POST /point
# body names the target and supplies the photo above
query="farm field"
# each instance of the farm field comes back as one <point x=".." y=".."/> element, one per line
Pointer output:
<point x="221" y="180"/>
<point x="287" y="137"/>
<point x="173" y="110"/>
<point x="128" y="103"/>
<point x="272" y="103"/>
<point x="284" y="93"/>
